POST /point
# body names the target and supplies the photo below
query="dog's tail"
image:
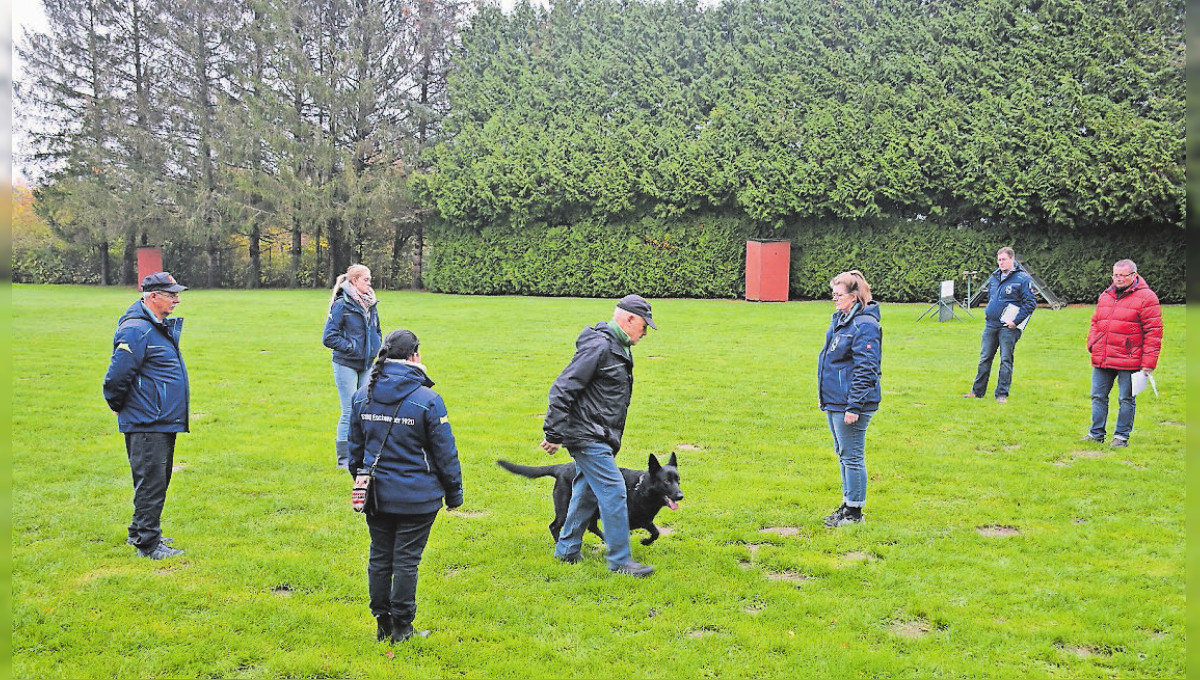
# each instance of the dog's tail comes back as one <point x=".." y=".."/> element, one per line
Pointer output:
<point x="530" y="471"/>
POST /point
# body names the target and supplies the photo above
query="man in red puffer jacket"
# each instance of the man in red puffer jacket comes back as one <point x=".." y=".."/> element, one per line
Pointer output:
<point x="1125" y="338"/>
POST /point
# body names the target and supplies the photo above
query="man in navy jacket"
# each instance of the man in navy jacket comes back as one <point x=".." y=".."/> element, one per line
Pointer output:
<point x="1008" y="286"/>
<point x="147" y="386"/>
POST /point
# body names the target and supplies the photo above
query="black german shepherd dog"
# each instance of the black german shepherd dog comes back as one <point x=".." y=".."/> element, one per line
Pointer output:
<point x="646" y="492"/>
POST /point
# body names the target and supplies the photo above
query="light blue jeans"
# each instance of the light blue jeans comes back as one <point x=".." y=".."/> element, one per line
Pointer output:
<point x="348" y="381"/>
<point x="1102" y="382"/>
<point x="598" y="481"/>
<point x="850" y="443"/>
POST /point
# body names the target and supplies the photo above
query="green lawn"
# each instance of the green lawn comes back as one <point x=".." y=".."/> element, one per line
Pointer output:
<point x="1089" y="584"/>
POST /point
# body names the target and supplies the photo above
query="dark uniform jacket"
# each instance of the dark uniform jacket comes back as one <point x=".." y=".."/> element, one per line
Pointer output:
<point x="147" y="381"/>
<point x="405" y="425"/>
<point x="849" y="366"/>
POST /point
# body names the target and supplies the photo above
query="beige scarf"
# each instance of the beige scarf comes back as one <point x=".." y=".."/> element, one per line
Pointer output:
<point x="367" y="299"/>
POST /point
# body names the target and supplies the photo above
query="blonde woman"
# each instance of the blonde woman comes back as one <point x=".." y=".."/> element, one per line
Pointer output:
<point x="848" y="371"/>
<point x="352" y="331"/>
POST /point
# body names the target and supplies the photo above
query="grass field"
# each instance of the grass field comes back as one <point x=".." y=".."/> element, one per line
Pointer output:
<point x="996" y="544"/>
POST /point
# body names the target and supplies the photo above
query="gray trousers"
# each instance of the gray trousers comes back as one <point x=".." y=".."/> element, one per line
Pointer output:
<point x="151" y="455"/>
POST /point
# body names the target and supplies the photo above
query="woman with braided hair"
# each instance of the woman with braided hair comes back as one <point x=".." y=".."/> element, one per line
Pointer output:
<point x="400" y="429"/>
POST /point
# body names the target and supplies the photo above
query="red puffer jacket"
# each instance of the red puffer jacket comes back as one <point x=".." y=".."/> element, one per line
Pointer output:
<point x="1127" y="328"/>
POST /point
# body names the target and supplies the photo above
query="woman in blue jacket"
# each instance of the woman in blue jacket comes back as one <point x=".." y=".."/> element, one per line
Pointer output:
<point x="848" y="371"/>
<point x="352" y="332"/>
<point x="400" y="427"/>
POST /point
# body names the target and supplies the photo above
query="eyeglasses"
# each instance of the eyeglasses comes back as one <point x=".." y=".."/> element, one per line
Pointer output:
<point x="169" y="296"/>
<point x="1123" y="276"/>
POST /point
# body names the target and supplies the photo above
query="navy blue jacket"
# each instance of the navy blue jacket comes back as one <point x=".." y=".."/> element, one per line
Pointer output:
<point x="352" y="333"/>
<point x="849" y="366"/>
<point x="590" y="398"/>
<point x="1016" y="289"/>
<point x="419" y="463"/>
<point x="147" y="382"/>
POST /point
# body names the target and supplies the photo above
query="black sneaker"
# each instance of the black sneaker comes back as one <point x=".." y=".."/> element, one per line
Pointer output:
<point x="844" y="515"/>
<point x="635" y="569"/>
<point x="573" y="558"/>
<point x="833" y="515"/>
<point x="1118" y="443"/>
<point x="164" y="540"/>
<point x="160" y="552"/>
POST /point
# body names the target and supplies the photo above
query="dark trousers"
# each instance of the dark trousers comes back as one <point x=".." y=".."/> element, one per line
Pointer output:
<point x="397" y="542"/>
<point x="151" y="456"/>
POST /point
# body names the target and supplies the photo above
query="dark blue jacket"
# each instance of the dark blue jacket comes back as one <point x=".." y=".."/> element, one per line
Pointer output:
<point x="352" y="333"/>
<point x="849" y="366"/>
<point x="147" y="382"/>
<point x="590" y="398"/>
<point x="419" y="463"/>
<point x="1016" y="289"/>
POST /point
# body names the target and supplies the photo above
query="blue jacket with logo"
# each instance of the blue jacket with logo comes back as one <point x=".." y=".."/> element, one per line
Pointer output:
<point x="1016" y="289"/>
<point x="418" y="464"/>
<point x="147" y="381"/>
<point x="849" y="366"/>
<point x="352" y="333"/>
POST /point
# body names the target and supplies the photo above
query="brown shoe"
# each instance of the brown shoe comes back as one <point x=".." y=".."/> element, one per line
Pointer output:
<point x="970" y="395"/>
<point x="1001" y="399"/>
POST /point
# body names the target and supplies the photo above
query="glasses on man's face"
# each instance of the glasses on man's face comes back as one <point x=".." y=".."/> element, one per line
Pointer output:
<point x="169" y="296"/>
<point x="1123" y="276"/>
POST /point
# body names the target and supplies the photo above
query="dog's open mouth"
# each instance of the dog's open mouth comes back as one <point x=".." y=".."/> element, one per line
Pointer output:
<point x="671" y="503"/>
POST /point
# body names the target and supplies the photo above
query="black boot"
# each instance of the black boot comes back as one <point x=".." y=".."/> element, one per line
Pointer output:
<point x="402" y="632"/>
<point x="383" y="627"/>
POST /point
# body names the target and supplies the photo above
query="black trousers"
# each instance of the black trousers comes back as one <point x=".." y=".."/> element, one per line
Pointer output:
<point x="151" y="455"/>
<point x="397" y="543"/>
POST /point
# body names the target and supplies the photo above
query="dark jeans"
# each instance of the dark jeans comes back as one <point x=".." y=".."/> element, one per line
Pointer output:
<point x="1002" y="338"/>
<point x="151" y="456"/>
<point x="397" y="542"/>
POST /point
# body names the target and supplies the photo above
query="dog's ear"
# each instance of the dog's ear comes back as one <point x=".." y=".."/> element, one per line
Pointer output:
<point x="672" y="462"/>
<point x="654" y="466"/>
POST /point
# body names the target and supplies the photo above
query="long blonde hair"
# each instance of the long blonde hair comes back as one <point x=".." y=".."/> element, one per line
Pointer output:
<point x="855" y="284"/>
<point x="353" y="272"/>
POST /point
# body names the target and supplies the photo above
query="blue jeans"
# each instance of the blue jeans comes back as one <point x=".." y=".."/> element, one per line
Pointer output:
<point x="348" y="381"/>
<point x="850" y="443"/>
<point x="1102" y="382"/>
<point x="397" y="543"/>
<point x="1005" y="339"/>
<point x="598" y="481"/>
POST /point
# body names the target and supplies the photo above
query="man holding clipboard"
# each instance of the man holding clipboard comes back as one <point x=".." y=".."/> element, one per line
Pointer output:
<point x="1010" y="304"/>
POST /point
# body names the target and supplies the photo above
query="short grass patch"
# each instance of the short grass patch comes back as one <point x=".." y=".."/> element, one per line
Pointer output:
<point x="749" y="582"/>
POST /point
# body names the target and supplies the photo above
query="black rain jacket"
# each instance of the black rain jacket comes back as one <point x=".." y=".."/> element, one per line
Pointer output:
<point x="590" y="399"/>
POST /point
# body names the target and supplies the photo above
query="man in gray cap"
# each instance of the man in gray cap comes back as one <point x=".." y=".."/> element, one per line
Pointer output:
<point x="588" y="404"/>
<point x="147" y="386"/>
